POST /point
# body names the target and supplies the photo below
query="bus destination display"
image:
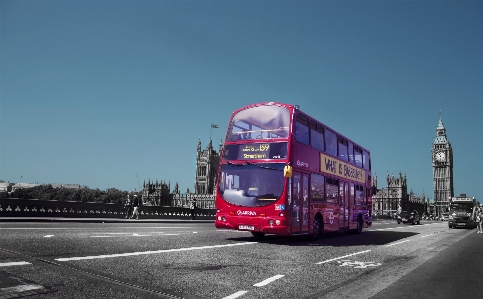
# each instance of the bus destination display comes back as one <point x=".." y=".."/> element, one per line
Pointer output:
<point x="254" y="151"/>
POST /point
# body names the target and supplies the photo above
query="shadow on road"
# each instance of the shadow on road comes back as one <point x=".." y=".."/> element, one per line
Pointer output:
<point x="333" y="239"/>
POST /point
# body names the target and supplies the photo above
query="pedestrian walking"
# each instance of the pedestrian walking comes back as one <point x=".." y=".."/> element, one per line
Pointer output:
<point x="128" y="207"/>
<point x="136" y="207"/>
<point x="192" y="208"/>
<point x="479" y="217"/>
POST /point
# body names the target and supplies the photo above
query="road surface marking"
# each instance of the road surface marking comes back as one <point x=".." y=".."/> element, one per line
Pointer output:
<point x="14" y="264"/>
<point x="148" y="252"/>
<point x="20" y="288"/>
<point x="236" y="295"/>
<point x="268" y="280"/>
<point x="341" y="257"/>
<point x="426" y="236"/>
<point x="358" y="265"/>
<point x="397" y="243"/>
<point x="48" y="236"/>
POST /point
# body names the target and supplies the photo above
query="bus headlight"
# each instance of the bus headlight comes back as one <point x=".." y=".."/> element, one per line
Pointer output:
<point x="270" y="222"/>
<point x="277" y="222"/>
<point x="219" y="218"/>
<point x="223" y="219"/>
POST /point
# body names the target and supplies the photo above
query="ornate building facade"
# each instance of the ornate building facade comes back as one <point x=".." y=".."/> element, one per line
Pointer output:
<point x="395" y="197"/>
<point x="442" y="160"/>
<point x="207" y="161"/>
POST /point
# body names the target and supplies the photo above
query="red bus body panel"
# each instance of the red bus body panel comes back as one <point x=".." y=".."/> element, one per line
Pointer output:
<point x="305" y="160"/>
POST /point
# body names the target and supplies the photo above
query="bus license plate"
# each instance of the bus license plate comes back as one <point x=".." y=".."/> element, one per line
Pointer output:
<point x="461" y="223"/>
<point x="247" y="227"/>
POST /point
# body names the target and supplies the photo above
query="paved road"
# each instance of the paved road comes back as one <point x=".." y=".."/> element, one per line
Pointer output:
<point x="194" y="260"/>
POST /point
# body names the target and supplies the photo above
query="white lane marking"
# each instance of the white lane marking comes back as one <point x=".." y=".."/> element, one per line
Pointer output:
<point x="134" y="235"/>
<point x="338" y="258"/>
<point x="397" y="243"/>
<point x="20" y="288"/>
<point x="195" y="232"/>
<point x="426" y="235"/>
<point x="148" y="252"/>
<point x="268" y="280"/>
<point x="14" y="264"/>
<point x="235" y="295"/>
<point x="117" y="233"/>
<point x="48" y="236"/>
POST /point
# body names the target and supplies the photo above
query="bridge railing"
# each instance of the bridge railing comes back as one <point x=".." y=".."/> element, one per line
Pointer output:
<point x="16" y="207"/>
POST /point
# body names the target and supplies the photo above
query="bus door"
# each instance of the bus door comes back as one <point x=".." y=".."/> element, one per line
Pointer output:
<point x="344" y="205"/>
<point x="300" y="202"/>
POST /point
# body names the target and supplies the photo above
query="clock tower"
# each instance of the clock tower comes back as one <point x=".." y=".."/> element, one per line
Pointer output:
<point x="442" y="157"/>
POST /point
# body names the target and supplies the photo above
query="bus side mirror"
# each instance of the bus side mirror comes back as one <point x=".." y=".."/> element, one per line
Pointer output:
<point x="287" y="171"/>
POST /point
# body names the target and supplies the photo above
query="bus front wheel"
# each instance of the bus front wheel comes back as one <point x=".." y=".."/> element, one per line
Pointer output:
<point x="317" y="228"/>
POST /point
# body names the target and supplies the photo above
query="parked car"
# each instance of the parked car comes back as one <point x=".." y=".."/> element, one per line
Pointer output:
<point x="445" y="217"/>
<point x="408" y="217"/>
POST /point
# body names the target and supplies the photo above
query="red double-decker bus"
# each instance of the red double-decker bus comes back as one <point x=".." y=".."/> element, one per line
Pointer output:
<point x="284" y="172"/>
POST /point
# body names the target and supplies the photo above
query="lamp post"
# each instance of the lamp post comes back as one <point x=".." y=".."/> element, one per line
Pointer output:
<point x="394" y="198"/>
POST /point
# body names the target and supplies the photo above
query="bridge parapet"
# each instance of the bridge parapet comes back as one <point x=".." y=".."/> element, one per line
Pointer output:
<point x="16" y="207"/>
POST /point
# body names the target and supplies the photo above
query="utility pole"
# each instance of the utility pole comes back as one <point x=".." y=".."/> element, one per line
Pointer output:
<point x="139" y="186"/>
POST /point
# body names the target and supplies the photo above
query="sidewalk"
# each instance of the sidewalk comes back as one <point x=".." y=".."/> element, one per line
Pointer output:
<point x="101" y="220"/>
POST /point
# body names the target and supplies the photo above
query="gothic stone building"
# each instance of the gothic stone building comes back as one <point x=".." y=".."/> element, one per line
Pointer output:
<point x="207" y="161"/>
<point x="395" y="197"/>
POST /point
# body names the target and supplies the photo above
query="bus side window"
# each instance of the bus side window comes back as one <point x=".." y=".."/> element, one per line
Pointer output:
<point x="317" y="138"/>
<point x="358" y="156"/>
<point x="332" y="191"/>
<point x="367" y="161"/>
<point x="331" y="143"/>
<point x="317" y="188"/>
<point x="351" y="196"/>
<point x="351" y="152"/>
<point x="343" y="154"/>
<point x="301" y="133"/>
<point x="360" y="196"/>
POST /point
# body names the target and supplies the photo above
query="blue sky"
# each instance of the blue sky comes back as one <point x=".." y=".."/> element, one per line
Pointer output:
<point x="101" y="93"/>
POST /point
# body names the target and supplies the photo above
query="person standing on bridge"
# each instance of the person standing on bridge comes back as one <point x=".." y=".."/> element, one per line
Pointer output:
<point x="128" y="207"/>
<point x="136" y="207"/>
<point x="479" y="218"/>
<point x="192" y="208"/>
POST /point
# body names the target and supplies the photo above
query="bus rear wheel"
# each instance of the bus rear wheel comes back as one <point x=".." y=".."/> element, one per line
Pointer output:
<point x="358" y="229"/>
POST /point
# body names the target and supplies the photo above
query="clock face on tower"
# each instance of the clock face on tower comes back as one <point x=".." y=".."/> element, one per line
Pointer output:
<point x="440" y="156"/>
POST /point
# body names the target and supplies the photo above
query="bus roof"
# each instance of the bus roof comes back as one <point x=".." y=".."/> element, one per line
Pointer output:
<point x="293" y="108"/>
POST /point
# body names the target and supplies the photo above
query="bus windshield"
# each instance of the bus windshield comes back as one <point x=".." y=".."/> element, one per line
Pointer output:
<point x="461" y="207"/>
<point x="260" y="122"/>
<point x="251" y="185"/>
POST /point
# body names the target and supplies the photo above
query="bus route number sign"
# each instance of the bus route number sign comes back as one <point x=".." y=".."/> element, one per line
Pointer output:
<point x="254" y="151"/>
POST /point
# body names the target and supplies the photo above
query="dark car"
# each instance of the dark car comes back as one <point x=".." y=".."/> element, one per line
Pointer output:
<point x="408" y="217"/>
